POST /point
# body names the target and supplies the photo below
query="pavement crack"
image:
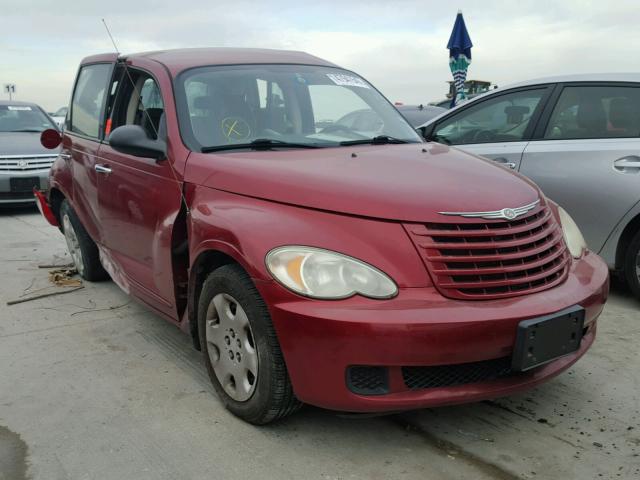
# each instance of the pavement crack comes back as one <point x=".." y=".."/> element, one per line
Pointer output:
<point x="55" y="327"/>
<point x="31" y="226"/>
<point x="507" y="409"/>
<point x="445" y="447"/>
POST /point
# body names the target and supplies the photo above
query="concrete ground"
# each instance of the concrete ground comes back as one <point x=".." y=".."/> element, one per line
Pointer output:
<point x="93" y="386"/>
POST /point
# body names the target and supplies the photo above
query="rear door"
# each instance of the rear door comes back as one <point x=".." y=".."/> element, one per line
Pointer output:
<point x="139" y="198"/>
<point x="497" y="127"/>
<point x="81" y="141"/>
<point x="586" y="154"/>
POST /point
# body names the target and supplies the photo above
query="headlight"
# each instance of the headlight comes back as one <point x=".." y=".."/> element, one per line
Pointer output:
<point x="321" y="273"/>
<point x="572" y="235"/>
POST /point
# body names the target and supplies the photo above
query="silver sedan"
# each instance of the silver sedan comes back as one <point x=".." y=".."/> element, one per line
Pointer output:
<point x="24" y="162"/>
<point x="578" y="138"/>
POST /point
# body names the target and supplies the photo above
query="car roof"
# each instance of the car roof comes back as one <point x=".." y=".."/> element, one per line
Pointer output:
<point x="581" y="77"/>
<point x="177" y="60"/>
<point x="18" y="103"/>
<point x="423" y="107"/>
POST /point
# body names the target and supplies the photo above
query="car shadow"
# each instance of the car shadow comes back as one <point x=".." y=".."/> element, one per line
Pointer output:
<point x="620" y="288"/>
<point x="10" y="210"/>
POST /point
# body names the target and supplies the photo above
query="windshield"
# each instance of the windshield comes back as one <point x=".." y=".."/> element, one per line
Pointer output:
<point x="297" y="104"/>
<point x="23" y="118"/>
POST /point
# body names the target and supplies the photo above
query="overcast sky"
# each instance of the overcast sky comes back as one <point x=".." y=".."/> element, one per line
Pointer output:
<point x="400" y="46"/>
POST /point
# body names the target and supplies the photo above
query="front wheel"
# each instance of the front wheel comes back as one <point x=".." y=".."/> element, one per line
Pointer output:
<point x="82" y="248"/>
<point x="241" y="351"/>
<point x="632" y="265"/>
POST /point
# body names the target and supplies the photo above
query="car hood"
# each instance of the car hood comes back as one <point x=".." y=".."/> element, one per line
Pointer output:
<point x="22" y="143"/>
<point x="397" y="182"/>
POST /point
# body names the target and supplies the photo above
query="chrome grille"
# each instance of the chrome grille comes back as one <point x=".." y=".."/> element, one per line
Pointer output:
<point x="493" y="259"/>
<point x="26" y="163"/>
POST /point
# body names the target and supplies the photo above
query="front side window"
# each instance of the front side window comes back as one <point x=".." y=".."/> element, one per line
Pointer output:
<point x="23" y="118"/>
<point x="595" y="112"/>
<point x="87" y="102"/>
<point x="504" y="118"/>
<point x="136" y="100"/>
<point x="299" y="104"/>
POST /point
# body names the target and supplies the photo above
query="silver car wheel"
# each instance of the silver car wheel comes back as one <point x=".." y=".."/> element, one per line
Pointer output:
<point x="73" y="244"/>
<point x="231" y="347"/>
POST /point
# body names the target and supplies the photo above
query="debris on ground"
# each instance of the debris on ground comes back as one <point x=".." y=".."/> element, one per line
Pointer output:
<point x="62" y="276"/>
<point x="44" y="295"/>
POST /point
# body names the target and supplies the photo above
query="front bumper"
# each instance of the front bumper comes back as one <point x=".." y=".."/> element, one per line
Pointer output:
<point x="21" y="197"/>
<point x="321" y="339"/>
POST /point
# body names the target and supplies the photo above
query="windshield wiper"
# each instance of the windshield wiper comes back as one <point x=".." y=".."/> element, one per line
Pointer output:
<point x="26" y="130"/>
<point x="258" y="144"/>
<point x="379" y="140"/>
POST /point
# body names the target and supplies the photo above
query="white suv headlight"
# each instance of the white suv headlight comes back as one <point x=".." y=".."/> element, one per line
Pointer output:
<point x="319" y="273"/>
<point x="572" y="234"/>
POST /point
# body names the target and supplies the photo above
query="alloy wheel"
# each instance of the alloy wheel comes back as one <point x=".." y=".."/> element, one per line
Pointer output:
<point x="231" y="347"/>
<point x="73" y="244"/>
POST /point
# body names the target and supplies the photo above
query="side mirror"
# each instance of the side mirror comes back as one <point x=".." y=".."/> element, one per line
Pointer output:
<point x="427" y="131"/>
<point x="50" y="138"/>
<point x="133" y="140"/>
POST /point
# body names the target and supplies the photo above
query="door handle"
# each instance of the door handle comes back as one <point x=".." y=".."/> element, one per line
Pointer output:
<point x="630" y="164"/>
<point x="101" y="168"/>
<point x="504" y="162"/>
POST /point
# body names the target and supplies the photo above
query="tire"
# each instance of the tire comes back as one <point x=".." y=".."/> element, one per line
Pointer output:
<point x="632" y="265"/>
<point x="82" y="248"/>
<point x="244" y="327"/>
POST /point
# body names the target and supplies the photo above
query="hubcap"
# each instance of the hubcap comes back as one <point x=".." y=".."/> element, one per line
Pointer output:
<point x="231" y="347"/>
<point x="72" y="244"/>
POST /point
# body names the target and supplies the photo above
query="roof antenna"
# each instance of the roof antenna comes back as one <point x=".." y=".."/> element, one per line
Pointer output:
<point x="146" y="113"/>
<point x="110" y="36"/>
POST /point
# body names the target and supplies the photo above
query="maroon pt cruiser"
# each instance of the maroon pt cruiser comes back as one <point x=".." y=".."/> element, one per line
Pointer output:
<point x="279" y="210"/>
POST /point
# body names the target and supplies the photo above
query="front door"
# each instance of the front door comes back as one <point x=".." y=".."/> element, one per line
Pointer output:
<point x="139" y="198"/>
<point x="588" y="159"/>
<point x="82" y="141"/>
<point x="497" y="127"/>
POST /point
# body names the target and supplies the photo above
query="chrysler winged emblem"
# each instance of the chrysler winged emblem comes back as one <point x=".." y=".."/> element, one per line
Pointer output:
<point x="505" y="213"/>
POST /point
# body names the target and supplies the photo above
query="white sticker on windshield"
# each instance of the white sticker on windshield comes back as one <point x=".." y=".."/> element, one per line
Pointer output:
<point x="347" y="80"/>
<point x="18" y="107"/>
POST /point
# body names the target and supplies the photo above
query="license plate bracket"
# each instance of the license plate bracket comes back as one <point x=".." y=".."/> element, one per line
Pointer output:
<point x="543" y="339"/>
<point x="24" y="184"/>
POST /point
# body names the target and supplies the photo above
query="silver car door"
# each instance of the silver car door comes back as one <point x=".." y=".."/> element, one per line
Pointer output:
<point x="496" y="127"/>
<point x="588" y="156"/>
<point x="507" y="155"/>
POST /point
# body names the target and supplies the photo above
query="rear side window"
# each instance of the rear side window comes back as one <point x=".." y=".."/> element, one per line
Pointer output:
<point x="503" y="118"/>
<point x="595" y="112"/>
<point x="88" y="97"/>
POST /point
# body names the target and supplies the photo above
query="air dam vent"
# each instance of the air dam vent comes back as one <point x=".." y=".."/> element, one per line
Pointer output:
<point x="416" y="378"/>
<point x="367" y="380"/>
